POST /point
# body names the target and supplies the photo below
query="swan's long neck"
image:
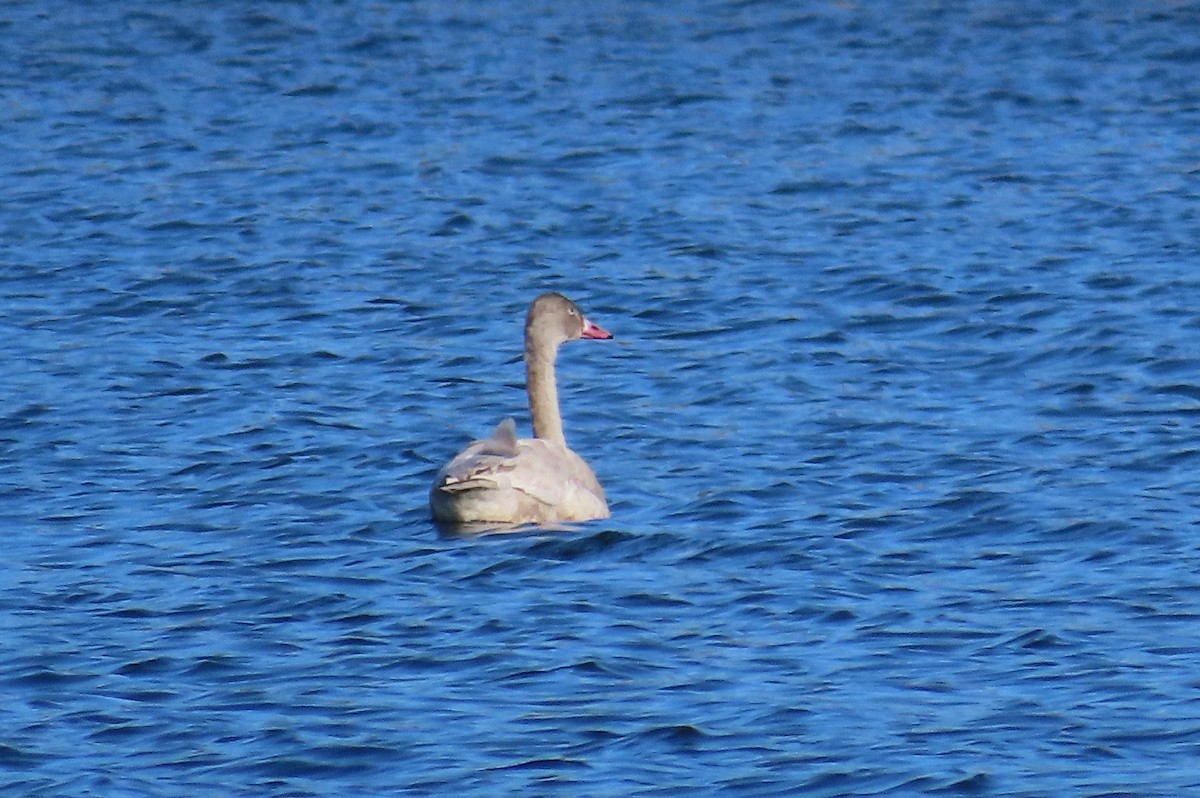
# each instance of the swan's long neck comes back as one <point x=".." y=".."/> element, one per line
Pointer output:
<point x="543" y="392"/>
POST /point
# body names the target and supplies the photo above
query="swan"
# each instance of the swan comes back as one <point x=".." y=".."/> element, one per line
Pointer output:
<point x="505" y="480"/>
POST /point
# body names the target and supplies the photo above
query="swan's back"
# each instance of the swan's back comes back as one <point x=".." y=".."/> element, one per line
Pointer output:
<point x="506" y="480"/>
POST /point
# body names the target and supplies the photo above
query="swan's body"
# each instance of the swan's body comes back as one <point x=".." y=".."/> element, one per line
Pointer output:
<point x="504" y="480"/>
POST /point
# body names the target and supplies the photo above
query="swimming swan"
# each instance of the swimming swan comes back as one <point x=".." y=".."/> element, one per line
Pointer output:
<point x="509" y="480"/>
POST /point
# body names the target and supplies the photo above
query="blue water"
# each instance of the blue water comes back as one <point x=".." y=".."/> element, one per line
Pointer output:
<point x="900" y="427"/>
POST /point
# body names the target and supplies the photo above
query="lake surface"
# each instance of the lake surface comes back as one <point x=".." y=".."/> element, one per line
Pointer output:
<point x="900" y="427"/>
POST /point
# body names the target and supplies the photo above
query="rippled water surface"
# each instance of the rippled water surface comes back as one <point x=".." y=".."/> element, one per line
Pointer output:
<point x="899" y="427"/>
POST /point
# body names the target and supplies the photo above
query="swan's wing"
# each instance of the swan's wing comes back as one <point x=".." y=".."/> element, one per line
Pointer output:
<point x="554" y="475"/>
<point x="503" y="442"/>
<point x="502" y="478"/>
<point x="484" y="463"/>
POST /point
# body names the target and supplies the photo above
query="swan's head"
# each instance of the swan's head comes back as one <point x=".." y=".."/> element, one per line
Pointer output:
<point x="553" y="319"/>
